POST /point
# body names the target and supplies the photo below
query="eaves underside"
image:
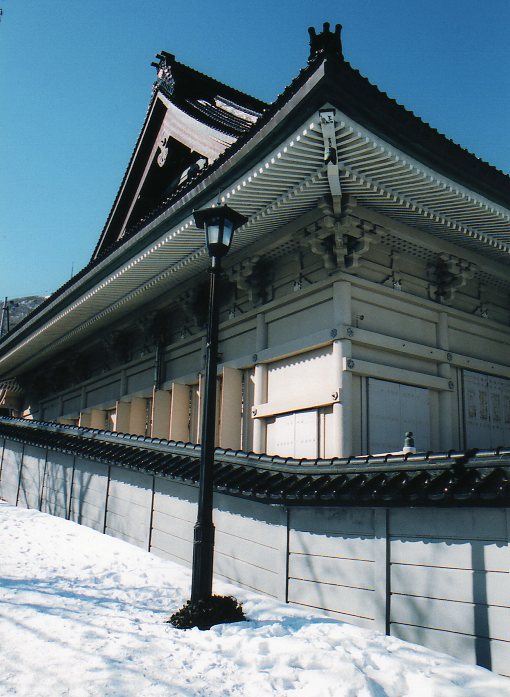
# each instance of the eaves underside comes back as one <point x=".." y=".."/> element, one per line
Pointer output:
<point x="289" y="181"/>
<point x="337" y="82"/>
<point x="385" y="118"/>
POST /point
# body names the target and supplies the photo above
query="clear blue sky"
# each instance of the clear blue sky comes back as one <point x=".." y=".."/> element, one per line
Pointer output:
<point x="75" y="82"/>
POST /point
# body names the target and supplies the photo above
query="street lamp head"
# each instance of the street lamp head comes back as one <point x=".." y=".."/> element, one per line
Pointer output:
<point x="220" y="223"/>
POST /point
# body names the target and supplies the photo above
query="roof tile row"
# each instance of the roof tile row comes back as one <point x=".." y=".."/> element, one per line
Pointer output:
<point x="475" y="478"/>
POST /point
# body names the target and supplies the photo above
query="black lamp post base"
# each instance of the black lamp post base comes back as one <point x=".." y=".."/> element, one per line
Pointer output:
<point x="203" y="559"/>
<point x="218" y="609"/>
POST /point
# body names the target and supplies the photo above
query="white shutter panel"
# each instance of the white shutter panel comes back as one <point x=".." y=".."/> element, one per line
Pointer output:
<point x="506" y="411"/>
<point x="306" y="434"/>
<point x="415" y="416"/>
<point x="384" y="430"/>
<point x="394" y="409"/>
<point x="477" y="410"/>
<point x="280" y="435"/>
<point x="293" y="435"/>
<point x="499" y="400"/>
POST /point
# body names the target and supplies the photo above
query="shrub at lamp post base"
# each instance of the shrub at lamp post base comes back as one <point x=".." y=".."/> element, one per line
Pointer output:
<point x="218" y="609"/>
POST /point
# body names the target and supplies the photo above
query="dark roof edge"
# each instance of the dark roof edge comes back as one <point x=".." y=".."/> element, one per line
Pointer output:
<point x="309" y="79"/>
<point x="230" y="92"/>
<point x="375" y="109"/>
<point x="451" y="478"/>
<point x="194" y="188"/>
<point x="159" y="87"/>
<point x="317" y="83"/>
<point x="139" y="138"/>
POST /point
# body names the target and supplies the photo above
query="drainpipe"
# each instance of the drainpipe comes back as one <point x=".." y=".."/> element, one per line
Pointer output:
<point x="158" y="365"/>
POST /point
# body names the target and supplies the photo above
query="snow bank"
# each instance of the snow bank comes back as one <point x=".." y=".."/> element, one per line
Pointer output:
<point x="83" y="615"/>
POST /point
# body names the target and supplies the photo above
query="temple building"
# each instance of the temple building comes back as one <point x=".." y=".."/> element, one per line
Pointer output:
<point x="366" y="296"/>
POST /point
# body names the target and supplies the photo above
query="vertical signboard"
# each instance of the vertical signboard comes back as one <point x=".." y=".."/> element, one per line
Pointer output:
<point x="394" y="409"/>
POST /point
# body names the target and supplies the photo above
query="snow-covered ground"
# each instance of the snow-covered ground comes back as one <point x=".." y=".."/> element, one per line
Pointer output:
<point x="83" y="614"/>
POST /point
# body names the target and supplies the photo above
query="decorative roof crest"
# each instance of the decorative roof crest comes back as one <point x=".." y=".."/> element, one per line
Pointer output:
<point x="327" y="43"/>
<point x="164" y="67"/>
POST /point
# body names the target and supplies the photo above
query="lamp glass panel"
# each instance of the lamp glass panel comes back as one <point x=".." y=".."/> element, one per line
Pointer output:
<point x="213" y="231"/>
<point x="228" y="231"/>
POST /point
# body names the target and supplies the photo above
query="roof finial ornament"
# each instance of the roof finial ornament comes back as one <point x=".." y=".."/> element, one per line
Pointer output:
<point x="327" y="43"/>
<point x="164" y="68"/>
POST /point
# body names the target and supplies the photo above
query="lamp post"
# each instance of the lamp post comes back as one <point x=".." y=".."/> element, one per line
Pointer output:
<point x="220" y="223"/>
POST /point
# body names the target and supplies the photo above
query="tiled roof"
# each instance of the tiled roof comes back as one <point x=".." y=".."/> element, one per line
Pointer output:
<point x="473" y="478"/>
<point x="422" y="140"/>
<point x="378" y="106"/>
<point x="190" y="90"/>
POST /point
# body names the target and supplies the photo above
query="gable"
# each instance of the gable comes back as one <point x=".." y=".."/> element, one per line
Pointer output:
<point x="192" y="119"/>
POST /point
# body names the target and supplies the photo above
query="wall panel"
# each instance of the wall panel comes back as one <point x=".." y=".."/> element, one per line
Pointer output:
<point x="307" y="372"/>
<point x="353" y="604"/>
<point x="88" y="499"/>
<point x="455" y="523"/>
<point x="129" y="506"/>
<point x="11" y="467"/>
<point x="489" y="653"/>
<point x="240" y="344"/>
<point x="331" y="561"/>
<point x="188" y="363"/>
<point x="50" y="410"/>
<point x="141" y="380"/>
<point x="294" y="325"/>
<point x="462" y="585"/>
<point x="172" y="547"/>
<point x="108" y="392"/>
<point x="251" y="540"/>
<point x="71" y="403"/>
<point x="32" y="475"/>
<point x="481" y="345"/>
<point x="57" y="484"/>
<point x="393" y="317"/>
<point x="449" y="581"/>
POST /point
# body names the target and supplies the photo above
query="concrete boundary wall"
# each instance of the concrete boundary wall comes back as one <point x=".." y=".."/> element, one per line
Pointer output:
<point x="432" y="576"/>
